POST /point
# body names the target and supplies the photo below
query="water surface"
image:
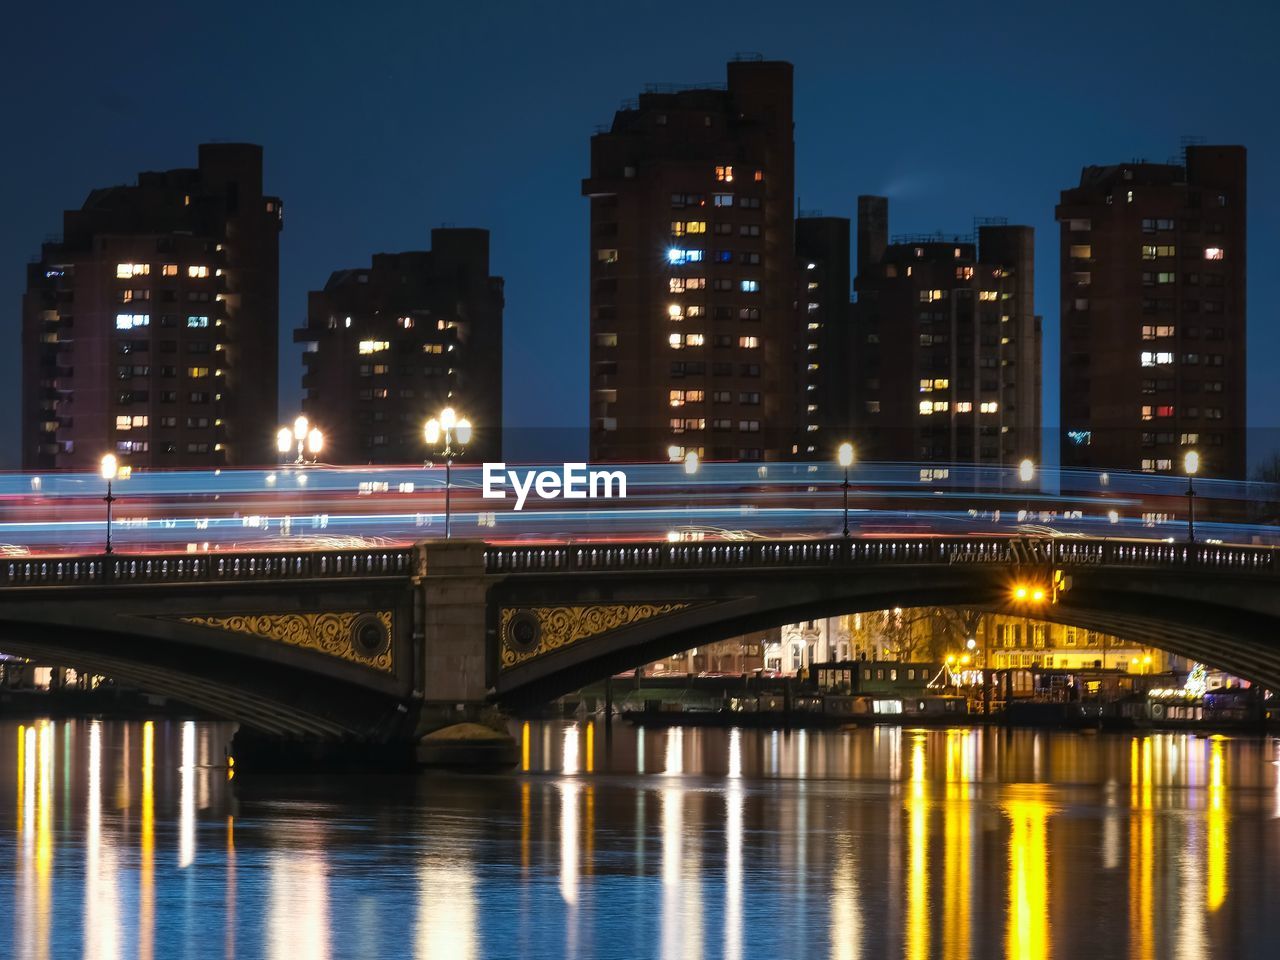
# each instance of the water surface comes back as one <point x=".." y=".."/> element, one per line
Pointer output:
<point x="121" y="840"/>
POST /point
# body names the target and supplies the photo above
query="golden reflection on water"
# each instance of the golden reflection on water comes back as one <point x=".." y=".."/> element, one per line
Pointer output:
<point x="147" y="842"/>
<point x="1216" y="854"/>
<point x="917" y="929"/>
<point x="957" y="842"/>
<point x="1141" y="845"/>
<point x="919" y="843"/>
<point x="1028" y="926"/>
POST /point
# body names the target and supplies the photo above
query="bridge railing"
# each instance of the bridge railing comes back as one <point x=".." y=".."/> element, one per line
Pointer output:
<point x="205" y="568"/>
<point x="603" y="558"/>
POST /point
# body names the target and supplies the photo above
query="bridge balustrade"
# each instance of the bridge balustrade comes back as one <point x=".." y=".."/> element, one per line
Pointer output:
<point x="206" y="568"/>
<point x="705" y="556"/>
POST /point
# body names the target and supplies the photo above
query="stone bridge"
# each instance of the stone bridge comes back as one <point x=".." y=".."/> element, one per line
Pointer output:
<point x="365" y="647"/>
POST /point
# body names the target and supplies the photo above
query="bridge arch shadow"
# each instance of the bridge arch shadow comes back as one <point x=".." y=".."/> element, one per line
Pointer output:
<point x="1227" y="622"/>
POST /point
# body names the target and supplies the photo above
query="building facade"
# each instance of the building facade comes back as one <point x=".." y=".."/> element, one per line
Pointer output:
<point x="824" y="316"/>
<point x="386" y="347"/>
<point x="150" y="330"/>
<point x="946" y="345"/>
<point x="692" y="259"/>
<point x="1153" y="314"/>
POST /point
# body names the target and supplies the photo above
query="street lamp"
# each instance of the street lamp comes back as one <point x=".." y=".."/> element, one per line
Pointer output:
<point x="110" y="469"/>
<point x="1027" y="474"/>
<point x="691" y="463"/>
<point x="844" y="457"/>
<point x="455" y="433"/>
<point x="308" y="439"/>
<point x="1191" y="465"/>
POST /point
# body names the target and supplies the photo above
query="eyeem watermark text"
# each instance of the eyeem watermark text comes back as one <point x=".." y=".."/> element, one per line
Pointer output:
<point x="573" y="482"/>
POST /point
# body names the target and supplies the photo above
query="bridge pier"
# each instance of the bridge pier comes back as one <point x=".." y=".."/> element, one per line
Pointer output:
<point x="457" y="725"/>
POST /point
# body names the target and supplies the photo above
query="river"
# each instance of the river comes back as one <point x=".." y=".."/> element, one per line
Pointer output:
<point x="125" y="839"/>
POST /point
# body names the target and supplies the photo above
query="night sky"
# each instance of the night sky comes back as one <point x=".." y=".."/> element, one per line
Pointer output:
<point x="380" y="121"/>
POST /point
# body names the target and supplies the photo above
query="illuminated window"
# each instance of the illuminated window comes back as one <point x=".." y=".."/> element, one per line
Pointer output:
<point x="693" y="339"/>
<point x="169" y="270"/>
<point x="374" y="346"/>
<point x="724" y="174"/>
<point x="1156" y="251"/>
<point x="926" y="407"/>
<point x="964" y="273"/>
<point x="197" y="322"/>
<point x="438" y="348"/>
<point x="749" y="343"/>
<point x="759" y="176"/>
<point x="197" y="372"/>
<point x="1154" y="359"/>
<point x="988" y="295"/>
<point x="1213" y="253"/>
<point x="1164" y="411"/>
<point x="930" y="296"/>
<point x="676" y="256"/>
<point x="723" y="199"/>
<point x="1147" y="412"/>
<point x="131" y="321"/>
<point x="926" y="386"/>
<point x="964" y="406"/>
<point x="750" y="286"/>
<point x="197" y="272"/>
<point x="681" y="227"/>
<point x="1189" y="439"/>
<point x="988" y="406"/>
<point x="607" y="255"/>
<point x="1081" y="251"/>
<point x="126" y="271"/>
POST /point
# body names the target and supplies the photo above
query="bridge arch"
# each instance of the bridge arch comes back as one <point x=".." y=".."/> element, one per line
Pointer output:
<point x="558" y="629"/>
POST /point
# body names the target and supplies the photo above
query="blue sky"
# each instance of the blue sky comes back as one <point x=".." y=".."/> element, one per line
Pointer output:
<point x="382" y="120"/>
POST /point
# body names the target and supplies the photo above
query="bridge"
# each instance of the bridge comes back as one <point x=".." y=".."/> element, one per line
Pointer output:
<point x="355" y="649"/>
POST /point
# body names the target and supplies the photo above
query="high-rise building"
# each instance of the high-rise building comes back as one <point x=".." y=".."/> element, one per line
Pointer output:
<point x="824" y="314"/>
<point x="946" y="348"/>
<point x="1153" y="314"/>
<point x="692" y="262"/>
<point x="150" y="329"/>
<point x="388" y="346"/>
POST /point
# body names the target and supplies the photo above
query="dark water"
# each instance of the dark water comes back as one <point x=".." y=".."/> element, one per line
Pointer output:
<point x="122" y="840"/>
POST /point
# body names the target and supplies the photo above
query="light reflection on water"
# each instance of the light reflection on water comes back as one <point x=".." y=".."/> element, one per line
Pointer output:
<point x="127" y="840"/>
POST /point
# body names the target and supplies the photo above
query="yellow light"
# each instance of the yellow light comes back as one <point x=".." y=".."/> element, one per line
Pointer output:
<point x="1037" y="595"/>
<point x="109" y="466"/>
<point x="315" y="440"/>
<point x="431" y="431"/>
<point x="448" y="418"/>
<point x="673" y="310"/>
<point x="951" y="658"/>
<point x="1191" y="462"/>
<point x="1020" y="592"/>
<point x="284" y="439"/>
<point x="964" y="660"/>
<point x="1026" y="470"/>
<point x="844" y="455"/>
<point x="300" y="428"/>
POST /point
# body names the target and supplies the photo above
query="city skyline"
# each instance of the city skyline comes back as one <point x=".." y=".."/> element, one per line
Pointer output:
<point x="530" y="202"/>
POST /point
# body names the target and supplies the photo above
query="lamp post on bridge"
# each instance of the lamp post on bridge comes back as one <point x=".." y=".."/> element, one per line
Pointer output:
<point x="309" y="440"/>
<point x="844" y="456"/>
<point x="110" y="470"/>
<point x="1027" y="474"/>
<point x="1191" y="465"/>
<point x="455" y="433"/>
